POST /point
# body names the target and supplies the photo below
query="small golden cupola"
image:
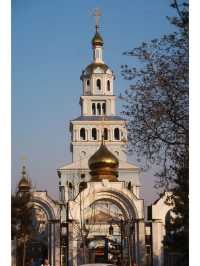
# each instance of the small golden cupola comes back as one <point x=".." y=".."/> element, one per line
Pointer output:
<point x="103" y="165"/>
<point x="24" y="184"/>
<point x="97" y="40"/>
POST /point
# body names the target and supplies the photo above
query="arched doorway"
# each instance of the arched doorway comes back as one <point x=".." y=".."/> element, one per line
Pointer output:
<point x="110" y="234"/>
<point x="107" y="226"/>
<point x="37" y="244"/>
<point x="45" y="241"/>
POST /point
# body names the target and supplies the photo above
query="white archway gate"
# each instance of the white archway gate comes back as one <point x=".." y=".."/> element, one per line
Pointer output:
<point x="131" y="207"/>
<point x="159" y="211"/>
<point x="41" y="200"/>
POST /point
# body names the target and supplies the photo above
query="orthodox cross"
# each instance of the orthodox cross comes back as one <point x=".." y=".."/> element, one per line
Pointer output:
<point x="23" y="159"/>
<point x="97" y="15"/>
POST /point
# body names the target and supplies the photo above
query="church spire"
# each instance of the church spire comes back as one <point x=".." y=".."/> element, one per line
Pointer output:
<point x="97" y="41"/>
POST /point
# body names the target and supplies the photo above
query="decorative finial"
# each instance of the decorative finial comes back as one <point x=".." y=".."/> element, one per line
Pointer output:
<point x="102" y="139"/>
<point x="97" y="14"/>
<point x="24" y="171"/>
<point x="23" y="159"/>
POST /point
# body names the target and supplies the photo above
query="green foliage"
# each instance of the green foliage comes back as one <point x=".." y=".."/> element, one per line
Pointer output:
<point x="21" y="214"/>
<point x="21" y="221"/>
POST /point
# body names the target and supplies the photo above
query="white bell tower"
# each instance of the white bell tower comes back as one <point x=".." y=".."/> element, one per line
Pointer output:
<point x="97" y="117"/>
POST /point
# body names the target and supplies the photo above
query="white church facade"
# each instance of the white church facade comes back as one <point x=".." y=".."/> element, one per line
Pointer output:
<point x="100" y="216"/>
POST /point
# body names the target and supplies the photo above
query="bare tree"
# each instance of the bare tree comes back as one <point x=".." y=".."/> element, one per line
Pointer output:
<point x="156" y="103"/>
<point x="156" y="106"/>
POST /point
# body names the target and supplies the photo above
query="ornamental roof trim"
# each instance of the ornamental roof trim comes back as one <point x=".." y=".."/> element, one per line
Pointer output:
<point x="84" y="165"/>
<point x="99" y="118"/>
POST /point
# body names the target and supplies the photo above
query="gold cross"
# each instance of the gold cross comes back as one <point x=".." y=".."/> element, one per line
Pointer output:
<point x="97" y="15"/>
<point x="24" y="159"/>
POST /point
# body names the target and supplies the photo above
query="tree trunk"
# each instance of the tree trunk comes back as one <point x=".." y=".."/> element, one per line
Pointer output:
<point x="24" y="252"/>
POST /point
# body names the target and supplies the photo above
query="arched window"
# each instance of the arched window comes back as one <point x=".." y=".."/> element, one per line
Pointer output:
<point x="129" y="186"/>
<point x="93" y="109"/>
<point x="94" y="134"/>
<point x="98" y="84"/>
<point x="82" y="133"/>
<point x="98" y="108"/>
<point x="83" y="153"/>
<point x="82" y="176"/>
<point x="116" y="133"/>
<point x="87" y="84"/>
<point x="70" y="185"/>
<point x="82" y="186"/>
<point x="108" y="85"/>
<point x="104" y="108"/>
<point x="105" y="133"/>
<point x="117" y="153"/>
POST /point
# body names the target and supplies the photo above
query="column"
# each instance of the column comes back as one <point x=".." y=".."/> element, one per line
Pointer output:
<point x="74" y="135"/>
<point x="78" y="134"/>
<point x="74" y="244"/>
<point x="52" y="245"/>
<point x="111" y="134"/>
<point x="157" y="242"/>
<point x="57" y="243"/>
<point x="54" y="242"/>
<point x="141" y="252"/>
<point x="86" y="134"/>
<point x="49" y="243"/>
<point x="89" y="133"/>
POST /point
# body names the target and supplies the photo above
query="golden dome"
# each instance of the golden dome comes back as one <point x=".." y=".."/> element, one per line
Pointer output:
<point x="97" y="39"/>
<point x="103" y="165"/>
<point x="24" y="184"/>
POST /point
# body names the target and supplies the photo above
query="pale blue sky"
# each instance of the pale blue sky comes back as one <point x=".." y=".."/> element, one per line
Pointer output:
<point x="51" y="44"/>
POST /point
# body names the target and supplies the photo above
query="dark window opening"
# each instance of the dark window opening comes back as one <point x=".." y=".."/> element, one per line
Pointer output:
<point x="129" y="186"/>
<point x="88" y="82"/>
<point x="93" y="109"/>
<point x="105" y="133"/>
<point x="104" y="108"/>
<point x="116" y="133"/>
<point x="82" y="186"/>
<point x="98" y="84"/>
<point x="82" y="133"/>
<point x="70" y="185"/>
<point x="108" y="85"/>
<point x="99" y="108"/>
<point x="94" y="134"/>
<point x="82" y="175"/>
